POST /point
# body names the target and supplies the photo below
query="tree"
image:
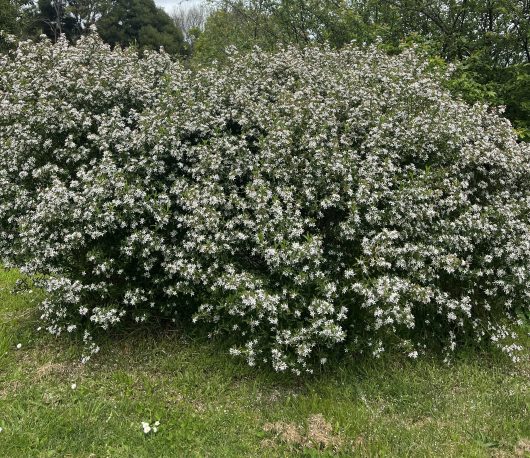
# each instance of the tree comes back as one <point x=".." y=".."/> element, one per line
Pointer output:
<point x="233" y="25"/>
<point x="17" y="17"/>
<point x="54" y="19"/>
<point x="141" y="23"/>
<point x="269" y="23"/>
<point x="191" y="22"/>
<point x="88" y="12"/>
<point x="8" y="15"/>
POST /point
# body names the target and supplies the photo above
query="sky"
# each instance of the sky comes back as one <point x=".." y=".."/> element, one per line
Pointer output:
<point x="170" y="5"/>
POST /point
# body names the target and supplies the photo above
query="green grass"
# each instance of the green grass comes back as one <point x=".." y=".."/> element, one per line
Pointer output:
<point x="209" y="404"/>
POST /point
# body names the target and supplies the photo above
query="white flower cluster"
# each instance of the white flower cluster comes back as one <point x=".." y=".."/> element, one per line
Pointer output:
<point x="301" y="202"/>
<point x="147" y="428"/>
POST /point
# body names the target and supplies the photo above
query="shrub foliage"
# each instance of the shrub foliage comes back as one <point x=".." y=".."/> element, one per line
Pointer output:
<point x="301" y="201"/>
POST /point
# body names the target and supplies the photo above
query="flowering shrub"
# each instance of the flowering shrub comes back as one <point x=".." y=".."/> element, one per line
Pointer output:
<point x="300" y="201"/>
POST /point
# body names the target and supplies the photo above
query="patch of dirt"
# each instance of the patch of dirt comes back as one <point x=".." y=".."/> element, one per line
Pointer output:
<point x="16" y="315"/>
<point x="9" y="389"/>
<point x="198" y="406"/>
<point x="59" y="370"/>
<point x="268" y="443"/>
<point x="48" y="369"/>
<point x="318" y="434"/>
<point x="523" y="448"/>
<point x="421" y="422"/>
<point x="288" y="433"/>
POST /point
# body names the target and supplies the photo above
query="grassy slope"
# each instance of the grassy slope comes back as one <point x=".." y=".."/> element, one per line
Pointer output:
<point x="212" y="405"/>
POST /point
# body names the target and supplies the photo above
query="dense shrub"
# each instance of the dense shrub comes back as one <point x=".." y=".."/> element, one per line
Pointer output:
<point x="300" y="202"/>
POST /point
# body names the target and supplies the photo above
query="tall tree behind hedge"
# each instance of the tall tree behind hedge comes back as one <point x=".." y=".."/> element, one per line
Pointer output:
<point x="17" y="17"/>
<point x="8" y="15"/>
<point x="269" y="23"/>
<point x="190" y="21"/>
<point x="454" y="29"/>
<point x="54" y="19"/>
<point x="141" y="23"/>
<point x="8" y="20"/>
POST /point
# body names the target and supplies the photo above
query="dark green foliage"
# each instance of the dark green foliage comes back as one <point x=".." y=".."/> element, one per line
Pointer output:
<point x="69" y="17"/>
<point x="120" y="22"/>
<point x="16" y="18"/>
<point x="54" y="20"/>
<point x="140" y="23"/>
<point x="508" y="86"/>
<point x="8" y="16"/>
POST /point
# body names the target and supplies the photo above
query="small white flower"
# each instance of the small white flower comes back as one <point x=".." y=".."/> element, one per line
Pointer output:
<point x="413" y="354"/>
<point x="147" y="428"/>
<point x="73" y="386"/>
<point x="1" y="429"/>
<point x="19" y="346"/>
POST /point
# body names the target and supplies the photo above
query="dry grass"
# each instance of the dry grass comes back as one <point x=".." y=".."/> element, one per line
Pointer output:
<point x="317" y="434"/>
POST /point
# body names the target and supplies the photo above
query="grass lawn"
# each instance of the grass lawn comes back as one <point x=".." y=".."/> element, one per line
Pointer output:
<point x="209" y="404"/>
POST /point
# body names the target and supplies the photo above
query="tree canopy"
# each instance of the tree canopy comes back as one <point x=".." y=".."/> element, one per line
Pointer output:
<point x="140" y="22"/>
<point x="120" y="22"/>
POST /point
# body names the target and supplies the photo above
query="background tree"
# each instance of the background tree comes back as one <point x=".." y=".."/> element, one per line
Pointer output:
<point x="55" y="20"/>
<point x="9" y="12"/>
<point x="191" y="22"/>
<point x="141" y="23"/>
<point x="240" y="23"/>
<point x="88" y="12"/>
<point x="122" y="22"/>
<point x="17" y="17"/>
<point x="268" y="23"/>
